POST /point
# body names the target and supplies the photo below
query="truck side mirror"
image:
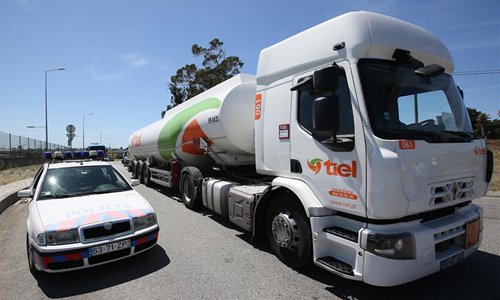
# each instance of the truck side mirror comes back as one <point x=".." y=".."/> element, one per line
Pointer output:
<point x="326" y="79"/>
<point x="326" y="114"/>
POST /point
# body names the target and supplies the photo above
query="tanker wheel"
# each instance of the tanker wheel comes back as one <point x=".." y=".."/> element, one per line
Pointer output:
<point x="140" y="174"/>
<point x="146" y="175"/>
<point x="288" y="231"/>
<point x="134" y="169"/>
<point x="188" y="194"/>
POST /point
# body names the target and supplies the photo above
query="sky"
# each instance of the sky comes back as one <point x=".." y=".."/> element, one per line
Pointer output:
<point x="119" y="54"/>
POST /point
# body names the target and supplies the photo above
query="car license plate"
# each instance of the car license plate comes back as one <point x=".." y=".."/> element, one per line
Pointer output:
<point x="98" y="250"/>
<point x="472" y="231"/>
<point x="453" y="260"/>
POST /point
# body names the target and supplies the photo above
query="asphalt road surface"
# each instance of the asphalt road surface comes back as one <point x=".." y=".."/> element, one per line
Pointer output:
<point x="201" y="255"/>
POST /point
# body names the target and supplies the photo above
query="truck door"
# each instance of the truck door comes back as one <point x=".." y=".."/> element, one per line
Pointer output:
<point x="335" y="170"/>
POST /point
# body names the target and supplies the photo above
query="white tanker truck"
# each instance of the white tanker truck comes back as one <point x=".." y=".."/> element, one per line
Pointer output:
<point x="351" y="149"/>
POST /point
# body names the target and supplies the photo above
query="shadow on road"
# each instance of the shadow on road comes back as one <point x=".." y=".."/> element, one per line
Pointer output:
<point x="475" y="278"/>
<point x="85" y="281"/>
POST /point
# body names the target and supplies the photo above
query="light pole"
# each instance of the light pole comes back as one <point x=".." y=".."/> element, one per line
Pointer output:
<point x="83" y="129"/>
<point x="46" y="119"/>
<point x="100" y="134"/>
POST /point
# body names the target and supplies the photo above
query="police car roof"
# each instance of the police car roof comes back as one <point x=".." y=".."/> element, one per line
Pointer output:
<point x="75" y="163"/>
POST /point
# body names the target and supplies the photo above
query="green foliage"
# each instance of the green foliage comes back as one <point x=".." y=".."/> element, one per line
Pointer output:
<point x="483" y="125"/>
<point x="216" y="67"/>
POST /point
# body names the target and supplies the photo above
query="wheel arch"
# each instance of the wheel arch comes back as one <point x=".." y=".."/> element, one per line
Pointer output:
<point x="197" y="178"/>
<point x="299" y="190"/>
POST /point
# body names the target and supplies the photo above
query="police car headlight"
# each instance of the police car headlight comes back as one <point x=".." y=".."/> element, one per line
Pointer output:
<point x="144" y="222"/>
<point x="399" y="246"/>
<point x="58" y="237"/>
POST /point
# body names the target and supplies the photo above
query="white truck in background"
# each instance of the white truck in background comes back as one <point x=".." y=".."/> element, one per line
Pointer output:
<point x="351" y="149"/>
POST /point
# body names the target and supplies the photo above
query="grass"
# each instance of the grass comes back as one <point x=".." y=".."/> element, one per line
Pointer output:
<point x="11" y="175"/>
<point x="494" y="145"/>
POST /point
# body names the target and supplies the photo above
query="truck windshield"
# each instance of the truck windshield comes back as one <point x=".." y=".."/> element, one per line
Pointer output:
<point x="402" y="105"/>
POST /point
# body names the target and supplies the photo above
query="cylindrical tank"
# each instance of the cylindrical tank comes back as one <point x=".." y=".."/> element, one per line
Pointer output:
<point x="223" y="116"/>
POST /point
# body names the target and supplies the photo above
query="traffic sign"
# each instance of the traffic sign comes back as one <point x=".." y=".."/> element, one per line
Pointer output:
<point x="70" y="128"/>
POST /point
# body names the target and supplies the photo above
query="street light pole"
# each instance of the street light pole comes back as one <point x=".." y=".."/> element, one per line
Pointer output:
<point x="83" y="130"/>
<point x="100" y="134"/>
<point x="46" y="118"/>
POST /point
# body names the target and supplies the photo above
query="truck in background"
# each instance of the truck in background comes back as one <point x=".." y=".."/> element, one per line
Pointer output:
<point x="351" y="149"/>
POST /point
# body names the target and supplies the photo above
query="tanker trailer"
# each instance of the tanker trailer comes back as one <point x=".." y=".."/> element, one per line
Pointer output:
<point x="213" y="129"/>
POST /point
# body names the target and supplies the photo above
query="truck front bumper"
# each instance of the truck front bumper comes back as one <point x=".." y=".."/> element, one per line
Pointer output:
<point x="438" y="244"/>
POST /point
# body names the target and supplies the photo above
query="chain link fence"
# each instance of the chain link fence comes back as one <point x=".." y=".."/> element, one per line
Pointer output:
<point x="19" y="146"/>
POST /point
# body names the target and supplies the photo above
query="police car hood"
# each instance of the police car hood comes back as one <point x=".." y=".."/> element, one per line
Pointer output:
<point x="73" y="212"/>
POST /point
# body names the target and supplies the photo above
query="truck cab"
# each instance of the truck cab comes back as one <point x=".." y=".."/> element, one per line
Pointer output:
<point x="360" y="119"/>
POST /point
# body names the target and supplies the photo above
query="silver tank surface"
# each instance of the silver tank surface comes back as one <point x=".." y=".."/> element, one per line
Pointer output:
<point x="223" y="116"/>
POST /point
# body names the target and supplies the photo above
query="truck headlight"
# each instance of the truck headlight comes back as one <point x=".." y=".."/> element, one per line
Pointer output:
<point x="58" y="237"/>
<point x="395" y="246"/>
<point x="144" y="222"/>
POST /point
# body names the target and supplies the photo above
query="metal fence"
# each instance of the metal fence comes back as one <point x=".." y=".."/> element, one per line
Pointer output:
<point x="15" y="146"/>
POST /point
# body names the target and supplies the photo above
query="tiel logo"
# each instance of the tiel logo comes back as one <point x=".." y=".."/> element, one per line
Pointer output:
<point x="315" y="165"/>
<point x="333" y="168"/>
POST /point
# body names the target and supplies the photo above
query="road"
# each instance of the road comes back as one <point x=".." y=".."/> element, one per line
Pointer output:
<point x="201" y="255"/>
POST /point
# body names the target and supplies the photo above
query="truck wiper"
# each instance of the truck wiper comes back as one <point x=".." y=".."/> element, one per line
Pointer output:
<point x="425" y="133"/>
<point x="461" y="134"/>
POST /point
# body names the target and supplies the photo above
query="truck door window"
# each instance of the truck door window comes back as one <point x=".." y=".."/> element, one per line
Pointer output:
<point x="305" y="111"/>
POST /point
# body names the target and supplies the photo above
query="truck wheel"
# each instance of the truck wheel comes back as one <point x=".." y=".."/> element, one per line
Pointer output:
<point x="140" y="174"/>
<point x="31" y="262"/>
<point x="147" y="175"/>
<point x="188" y="195"/>
<point x="288" y="232"/>
<point x="134" y="169"/>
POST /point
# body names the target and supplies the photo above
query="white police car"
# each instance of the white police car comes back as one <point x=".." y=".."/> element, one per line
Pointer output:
<point x="83" y="214"/>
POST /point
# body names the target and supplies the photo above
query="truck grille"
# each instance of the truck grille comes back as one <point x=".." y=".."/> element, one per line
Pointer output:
<point x="450" y="191"/>
<point x="104" y="230"/>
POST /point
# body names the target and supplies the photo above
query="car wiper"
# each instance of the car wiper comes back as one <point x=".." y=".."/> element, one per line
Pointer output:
<point x="61" y="195"/>
<point x="431" y="134"/>
<point x="109" y="191"/>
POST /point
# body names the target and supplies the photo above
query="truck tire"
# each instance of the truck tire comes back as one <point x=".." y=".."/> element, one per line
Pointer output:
<point x="31" y="262"/>
<point x="140" y="176"/>
<point x="146" y="175"/>
<point x="134" y="169"/>
<point x="288" y="231"/>
<point x="188" y="191"/>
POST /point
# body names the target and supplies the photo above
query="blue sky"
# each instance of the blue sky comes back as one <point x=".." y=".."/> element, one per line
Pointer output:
<point x="119" y="54"/>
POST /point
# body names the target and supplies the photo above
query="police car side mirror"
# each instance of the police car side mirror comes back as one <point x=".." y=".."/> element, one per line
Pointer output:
<point x="24" y="194"/>
<point x="135" y="182"/>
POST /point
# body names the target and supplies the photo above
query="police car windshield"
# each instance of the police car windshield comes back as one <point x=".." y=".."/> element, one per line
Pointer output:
<point x="82" y="180"/>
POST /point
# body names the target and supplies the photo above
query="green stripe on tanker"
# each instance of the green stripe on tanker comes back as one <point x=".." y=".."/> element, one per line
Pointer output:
<point x="171" y="130"/>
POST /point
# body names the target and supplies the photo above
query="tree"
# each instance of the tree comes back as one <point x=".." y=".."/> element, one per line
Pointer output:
<point x="192" y="80"/>
<point x="483" y="120"/>
<point x="483" y="125"/>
